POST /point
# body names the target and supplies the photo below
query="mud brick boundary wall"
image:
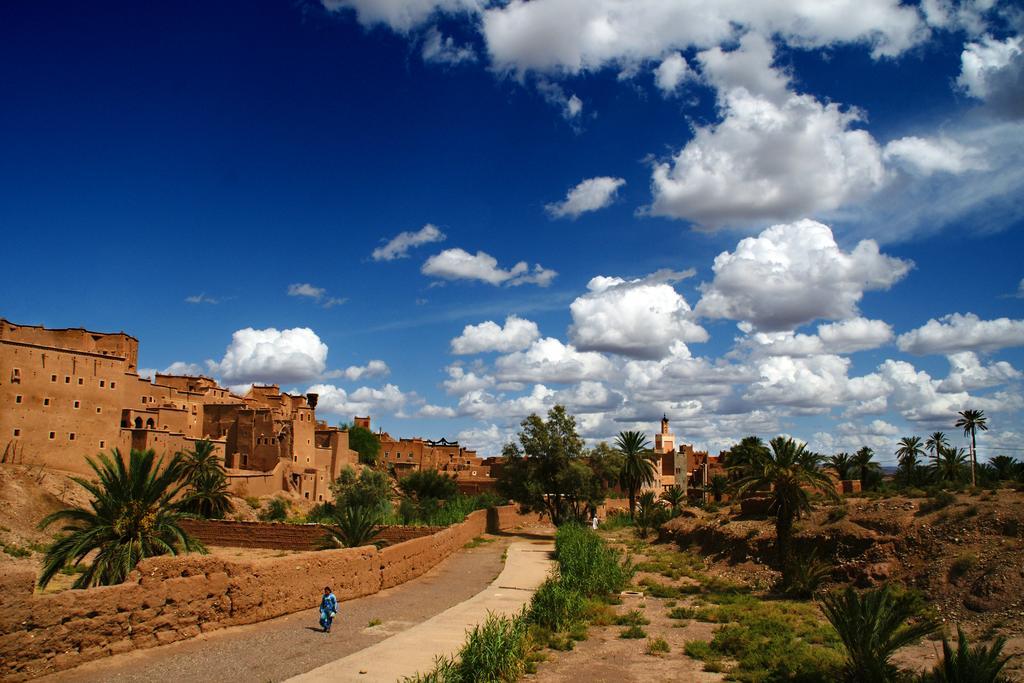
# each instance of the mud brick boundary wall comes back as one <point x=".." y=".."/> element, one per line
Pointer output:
<point x="282" y="536"/>
<point x="173" y="598"/>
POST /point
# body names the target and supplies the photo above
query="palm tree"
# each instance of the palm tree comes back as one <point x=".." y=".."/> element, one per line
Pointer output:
<point x="873" y="626"/>
<point x="718" y="486"/>
<point x="949" y="466"/>
<point x="651" y="514"/>
<point x="971" y="421"/>
<point x="842" y="463"/>
<point x="742" y="454"/>
<point x="207" y="482"/>
<point x="354" y="525"/>
<point x="789" y="470"/>
<point x="132" y="515"/>
<point x="909" y="449"/>
<point x="638" y="469"/>
<point x="675" y="498"/>
<point x="1004" y="466"/>
<point x="868" y="468"/>
<point x="936" y="442"/>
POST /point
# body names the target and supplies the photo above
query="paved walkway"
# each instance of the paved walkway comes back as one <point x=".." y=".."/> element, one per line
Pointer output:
<point x="277" y="649"/>
<point x="414" y="650"/>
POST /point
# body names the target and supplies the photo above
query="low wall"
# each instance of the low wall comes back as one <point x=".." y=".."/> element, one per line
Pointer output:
<point x="282" y="536"/>
<point x="173" y="598"/>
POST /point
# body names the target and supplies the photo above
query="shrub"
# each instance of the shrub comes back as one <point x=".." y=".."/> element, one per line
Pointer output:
<point x="495" y="650"/>
<point x="321" y="513"/>
<point x="14" y="550"/>
<point x="873" y="626"/>
<point x="632" y="618"/>
<point x="962" y="564"/>
<point x="936" y="501"/>
<point x="837" y="513"/>
<point x="253" y="502"/>
<point x="979" y="664"/>
<point x="681" y="613"/>
<point x="617" y="519"/>
<point x="634" y="633"/>
<point x="276" y="511"/>
<point x="659" y="590"/>
<point x="555" y="605"/>
<point x="354" y="526"/>
<point x="587" y="564"/>
<point x="803" y="575"/>
<point x="657" y="646"/>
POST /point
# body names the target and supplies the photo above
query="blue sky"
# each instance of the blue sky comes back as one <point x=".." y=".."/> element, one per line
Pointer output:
<point x="752" y="218"/>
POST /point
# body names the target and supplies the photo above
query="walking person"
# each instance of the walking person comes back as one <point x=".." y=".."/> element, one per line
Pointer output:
<point x="328" y="609"/>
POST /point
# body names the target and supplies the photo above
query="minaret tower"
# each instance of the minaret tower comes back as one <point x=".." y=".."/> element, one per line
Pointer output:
<point x="665" y="442"/>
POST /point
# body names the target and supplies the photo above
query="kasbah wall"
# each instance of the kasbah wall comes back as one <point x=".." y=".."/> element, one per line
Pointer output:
<point x="172" y="598"/>
<point x="68" y="394"/>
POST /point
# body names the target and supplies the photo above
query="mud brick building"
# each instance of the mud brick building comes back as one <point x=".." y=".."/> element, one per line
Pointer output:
<point x="66" y="394"/>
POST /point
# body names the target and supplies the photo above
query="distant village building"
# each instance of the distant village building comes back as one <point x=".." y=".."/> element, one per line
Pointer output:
<point x="682" y="465"/>
<point x="405" y="455"/>
<point x="70" y="393"/>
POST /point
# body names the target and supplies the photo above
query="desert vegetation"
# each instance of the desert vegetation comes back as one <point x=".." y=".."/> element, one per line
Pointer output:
<point x="580" y="591"/>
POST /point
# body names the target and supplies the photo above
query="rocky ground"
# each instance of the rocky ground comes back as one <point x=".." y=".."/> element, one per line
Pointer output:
<point x="966" y="557"/>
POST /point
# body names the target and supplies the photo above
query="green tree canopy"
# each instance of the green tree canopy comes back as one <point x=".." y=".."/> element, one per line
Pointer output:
<point x="369" y="488"/>
<point x="428" y="485"/>
<point x="364" y="442"/>
<point x="546" y="471"/>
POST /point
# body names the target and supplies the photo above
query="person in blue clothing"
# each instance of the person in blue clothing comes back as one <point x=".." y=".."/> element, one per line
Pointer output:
<point x="328" y="609"/>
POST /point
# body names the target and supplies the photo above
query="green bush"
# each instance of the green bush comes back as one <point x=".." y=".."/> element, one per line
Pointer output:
<point x="632" y="618"/>
<point x="966" y="664"/>
<point x="657" y="646"/>
<point x="962" y="564"/>
<point x="587" y="564"/>
<point x="617" y="519"/>
<point x="803" y="575"/>
<point x="936" y="501"/>
<point x="633" y="633"/>
<point x="555" y="605"/>
<point x="681" y="613"/>
<point x="276" y="511"/>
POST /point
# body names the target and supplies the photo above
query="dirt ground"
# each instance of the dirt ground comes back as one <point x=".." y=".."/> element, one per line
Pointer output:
<point x="605" y="657"/>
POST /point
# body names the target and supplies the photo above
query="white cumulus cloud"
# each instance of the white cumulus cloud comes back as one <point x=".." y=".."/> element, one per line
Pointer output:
<point x="442" y="49"/>
<point x="399" y="245"/>
<point x="459" y="264"/>
<point x="549" y="360"/>
<point x="640" y="318"/>
<point x="672" y="71"/>
<point x="388" y="399"/>
<point x="933" y="155"/>
<point x="569" y="36"/>
<point x="515" y="335"/>
<point x="993" y="70"/>
<point x="402" y="15"/>
<point x="589" y="195"/>
<point x="374" y="368"/>
<point x="272" y="356"/>
<point x="794" y="273"/>
<point x="776" y="155"/>
<point x="962" y="332"/>
<point x="966" y="372"/>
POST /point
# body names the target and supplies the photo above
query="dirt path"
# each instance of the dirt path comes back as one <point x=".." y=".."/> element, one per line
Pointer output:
<point x="293" y="644"/>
